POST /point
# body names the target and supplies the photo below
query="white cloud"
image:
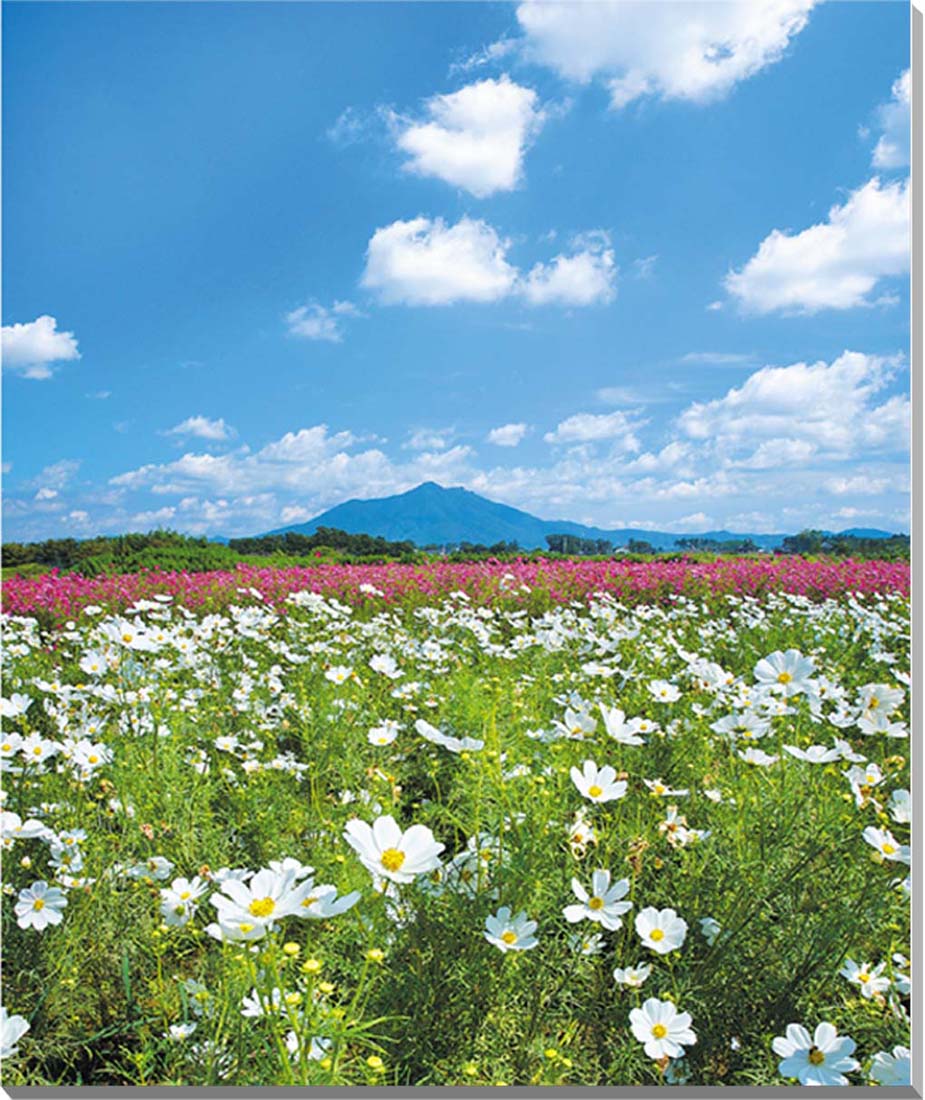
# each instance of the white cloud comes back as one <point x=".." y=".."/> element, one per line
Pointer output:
<point x="317" y="322"/>
<point x="474" y="138"/>
<point x="834" y="264"/>
<point x="426" y="439"/>
<point x="593" y="427"/>
<point x="892" y="149"/>
<point x="294" y="513"/>
<point x="867" y="484"/>
<point x="32" y="348"/>
<point x="46" y="494"/>
<point x="803" y="409"/>
<point x="428" y="263"/>
<point x="58" y="475"/>
<point x="693" y="50"/>
<point x="201" y="427"/>
<point x="508" y="435"/>
<point x="582" y="279"/>
<point x="718" y="358"/>
<point x="313" y="464"/>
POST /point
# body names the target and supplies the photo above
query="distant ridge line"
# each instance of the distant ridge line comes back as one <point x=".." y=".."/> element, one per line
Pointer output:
<point x="431" y="515"/>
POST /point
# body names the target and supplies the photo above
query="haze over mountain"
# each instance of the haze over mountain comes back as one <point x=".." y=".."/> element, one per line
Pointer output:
<point x="432" y="515"/>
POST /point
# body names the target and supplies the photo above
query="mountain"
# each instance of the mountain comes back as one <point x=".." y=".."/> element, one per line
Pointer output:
<point x="431" y="515"/>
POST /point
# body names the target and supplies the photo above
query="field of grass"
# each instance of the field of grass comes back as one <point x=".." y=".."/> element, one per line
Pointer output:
<point x="455" y="840"/>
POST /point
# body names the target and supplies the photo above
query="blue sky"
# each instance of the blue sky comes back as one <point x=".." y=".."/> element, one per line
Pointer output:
<point x="624" y="263"/>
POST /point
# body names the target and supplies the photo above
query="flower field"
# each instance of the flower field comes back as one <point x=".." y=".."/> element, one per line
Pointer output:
<point x="535" y="584"/>
<point x="541" y="823"/>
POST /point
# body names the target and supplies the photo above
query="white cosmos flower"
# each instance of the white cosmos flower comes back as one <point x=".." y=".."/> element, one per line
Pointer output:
<point x="662" y="790"/>
<point x="664" y="692"/>
<point x="178" y="901"/>
<point x="886" y="1069"/>
<point x="385" y="664"/>
<point x="757" y="756"/>
<point x="510" y="933"/>
<point x="869" y="981"/>
<point x="603" y="905"/>
<point x="247" y="910"/>
<point x="387" y="852"/>
<point x="454" y="744"/>
<point x="787" y="673"/>
<point x="815" y="754"/>
<point x="323" y="903"/>
<point x="887" y="845"/>
<point x="663" y="1030"/>
<point x="598" y="784"/>
<point x="900" y="807"/>
<point x="14" y="707"/>
<point x="661" y="930"/>
<point x="12" y="1029"/>
<point x="382" y="735"/>
<point x="576" y="724"/>
<point x="39" y="905"/>
<point x="710" y="929"/>
<point x="617" y="727"/>
<point x="822" y="1059"/>
<point x="586" y="945"/>
<point x="632" y="976"/>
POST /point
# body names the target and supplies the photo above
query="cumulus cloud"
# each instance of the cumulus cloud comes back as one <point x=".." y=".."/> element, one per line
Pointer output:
<point x="693" y="50"/>
<point x="33" y="348"/>
<point x="317" y="322"/>
<point x="892" y="148"/>
<point x="835" y="264"/>
<point x="317" y="465"/>
<point x="508" y="435"/>
<point x="593" y="427"/>
<point x="785" y="415"/>
<point x="428" y="263"/>
<point x="585" y="278"/>
<point x="201" y="427"/>
<point x="474" y="138"/>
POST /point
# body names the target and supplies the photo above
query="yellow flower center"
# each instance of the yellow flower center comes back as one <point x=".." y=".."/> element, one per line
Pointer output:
<point x="659" y="789"/>
<point x="784" y="678"/>
<point x="659" y="1031"/>
<point x="37" y="751"/>
<point x="656" y="934"/>
<point x="261" y="907"/>
<point x="38" y="904"/>
<point x="392" y="859"/>
<point x="245" y="928"/>
<point x="509" y="937"/>
<point x="186" y="894"/>
<point x="888" y="849"/>
<point x="92" y="759"/>
<point x="595" y="791"/>
<point x="863" y="977"/>
<point x="127" y="638"/>
<point x="816" y="1056"/>
<point x="875" y="702"/>
<point x="596" y="903"/>
<point x="7" y="747"/>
